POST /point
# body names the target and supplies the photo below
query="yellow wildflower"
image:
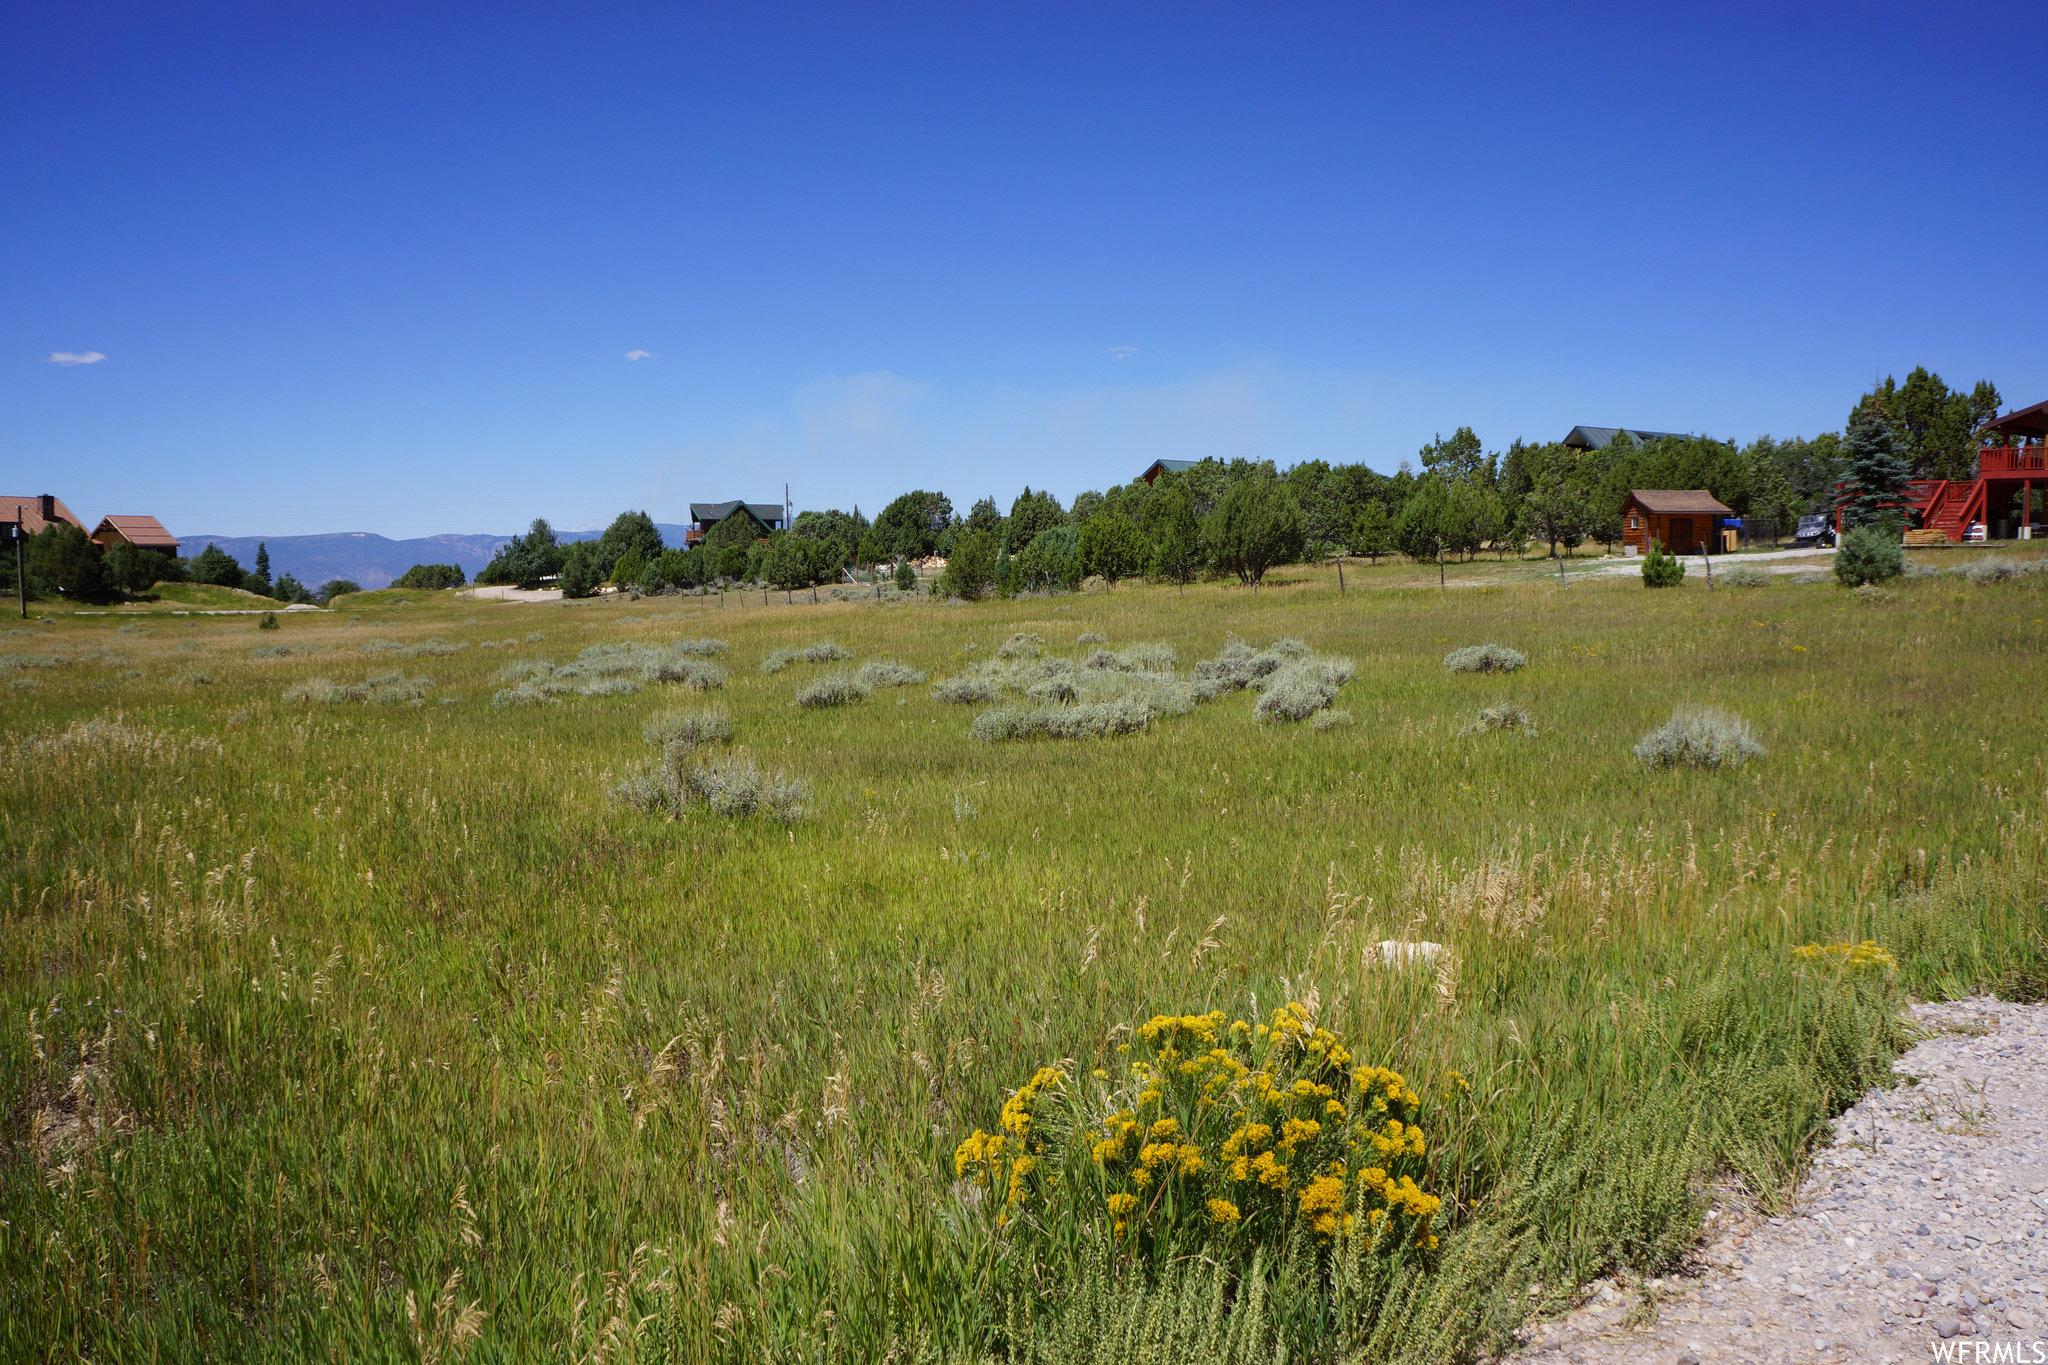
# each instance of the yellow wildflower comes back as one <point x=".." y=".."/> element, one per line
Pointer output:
<point x="1223" y="1211"/>
<point x="1121" y="1204"/>
<point x="1322" y="1203"/>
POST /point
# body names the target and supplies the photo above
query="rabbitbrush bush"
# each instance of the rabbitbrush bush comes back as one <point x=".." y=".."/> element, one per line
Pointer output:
<point x="1487" y="658"/>
<point x="1238" y="1144"/>
<point x="1746" y="576"/>
<point x="1699" y="737"/>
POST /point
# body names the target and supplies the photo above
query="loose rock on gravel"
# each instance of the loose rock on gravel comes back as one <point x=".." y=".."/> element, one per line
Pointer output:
<point x="1920" y="1233"/>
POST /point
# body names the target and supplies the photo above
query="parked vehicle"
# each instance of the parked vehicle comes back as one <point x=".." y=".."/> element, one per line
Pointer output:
<point x="1817" y="530"/>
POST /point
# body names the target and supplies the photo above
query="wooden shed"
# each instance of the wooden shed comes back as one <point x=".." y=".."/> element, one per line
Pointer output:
<point x="1682" y="520"/>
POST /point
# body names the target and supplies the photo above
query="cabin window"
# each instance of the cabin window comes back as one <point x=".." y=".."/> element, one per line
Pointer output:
<point x="1635" y="523"/>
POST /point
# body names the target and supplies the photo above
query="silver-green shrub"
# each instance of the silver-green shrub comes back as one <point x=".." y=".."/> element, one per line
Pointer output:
<point x="1301" y="688"/>
<point x="1699" y="737"/>
<point x="690" y="729"/>
<point x="1330" y="720"/>
<point x="1502" y="715"/>
<point x="1149" y="657"/>
<point x="887" y="673"/>
<point x="1745" y="576"/>
<point x="839" y="688"/>
<point x="1022" y="645"/>
<point x="732" y="785"/>
<point x="1091" y="720"/>
<point x="386" y="689"/>
<point x="1487" y="658"/>
<point x="1239" y="665"/>
<point x="969" y="687"/>
<point x="1091" y="637"/>
<point x="818" y="652"/>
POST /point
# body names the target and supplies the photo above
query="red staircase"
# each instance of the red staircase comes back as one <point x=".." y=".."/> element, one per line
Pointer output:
<point x="1947" y="505"/>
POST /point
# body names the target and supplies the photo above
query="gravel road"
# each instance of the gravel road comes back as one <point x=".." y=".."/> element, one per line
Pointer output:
<point x="1921" y="1233"/>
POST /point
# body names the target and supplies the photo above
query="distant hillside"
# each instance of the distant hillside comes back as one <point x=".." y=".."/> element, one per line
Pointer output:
<point x="369" y="559"/>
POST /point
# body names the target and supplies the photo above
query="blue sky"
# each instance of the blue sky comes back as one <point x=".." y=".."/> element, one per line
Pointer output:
<point x="388" y="267"/>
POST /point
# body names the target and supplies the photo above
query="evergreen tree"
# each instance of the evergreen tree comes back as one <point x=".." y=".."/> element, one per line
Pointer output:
<point x="1257" y="524"/>
<point x="1372" y="534"/>
<point x="971" y="567"/>
<point x="1112" y="546"/>
<point x="1030" y="514"/>
<point x="1874" y="472"/>
<point x="631" y="533"/>
<point x="1176" y="536"/>
<point x="216" y="566"/>
<point x="258" y="580"/>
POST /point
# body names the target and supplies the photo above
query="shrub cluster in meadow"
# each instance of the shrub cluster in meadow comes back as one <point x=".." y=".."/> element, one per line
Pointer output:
<point x="1089" y="720"/>
<point x="818" y="652"/>
<point x="1501" y="715"/>
<point x="1699" y="737"/>
<point x="424" y="649"/>
<point x="386" y="689"/>
<point x="837" y="688"/>
<point x="281" y="651"/>
<point x="1118" y="691"/>
<point x="1746" y="576"/>
<point x="1998" y="570"/>
<point x="607" y="670"/>
<point x="1487" y="658"/>
<point x="1302" y="688"/>
<point x="535" y="637"/>
<point x="732" y="785"/>
<point x="887" y="673"/>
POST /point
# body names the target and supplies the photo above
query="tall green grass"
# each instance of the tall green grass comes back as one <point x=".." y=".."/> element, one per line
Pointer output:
<point x="311" y="1010"/>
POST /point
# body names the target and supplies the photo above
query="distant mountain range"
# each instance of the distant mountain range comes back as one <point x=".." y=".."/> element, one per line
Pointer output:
<point x="373" y="560"/>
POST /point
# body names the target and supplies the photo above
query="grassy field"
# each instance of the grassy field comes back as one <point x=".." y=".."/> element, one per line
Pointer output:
<point x="358" y="1032"/>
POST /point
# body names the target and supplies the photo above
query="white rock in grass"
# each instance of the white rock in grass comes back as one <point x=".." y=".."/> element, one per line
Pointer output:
<point x="1395" y="953"/>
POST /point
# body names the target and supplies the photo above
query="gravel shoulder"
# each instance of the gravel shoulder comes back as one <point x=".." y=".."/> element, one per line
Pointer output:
<point x="1920" y="1233"/>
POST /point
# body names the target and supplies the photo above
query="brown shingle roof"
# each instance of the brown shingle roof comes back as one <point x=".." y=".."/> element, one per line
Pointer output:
<point x="37" y="511"/>
<point x="1678" y="501"/>
<point x="147" y="532"/>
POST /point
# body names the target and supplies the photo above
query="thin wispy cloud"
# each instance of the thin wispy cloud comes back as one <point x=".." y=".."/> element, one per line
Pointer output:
<point x="1122" y="352"/>
<point x="76" y="357"/>
<point x="640" y="355"/>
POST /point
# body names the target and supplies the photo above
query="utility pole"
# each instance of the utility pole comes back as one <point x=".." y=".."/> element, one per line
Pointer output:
<point x="1440" y="563"/>
<point x="20" y="567"/>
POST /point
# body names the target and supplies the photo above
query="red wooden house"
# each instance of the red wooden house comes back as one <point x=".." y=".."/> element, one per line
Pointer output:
<point x="1682" y="520"/>
<point x="2000" y="496"/>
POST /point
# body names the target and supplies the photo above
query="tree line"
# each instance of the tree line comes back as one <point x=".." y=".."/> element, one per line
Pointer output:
<point x="62" y="561"/>
<point x="1241" y="518"/>
<point x="1235" y="518"/>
